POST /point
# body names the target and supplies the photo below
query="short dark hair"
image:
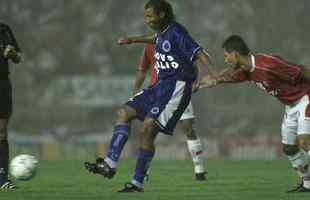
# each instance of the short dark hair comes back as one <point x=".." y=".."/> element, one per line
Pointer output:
<point x="162" y="6"/>
<point x="236" y="43"/>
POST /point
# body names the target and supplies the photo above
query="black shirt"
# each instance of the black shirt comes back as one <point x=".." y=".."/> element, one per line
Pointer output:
<point x="6" y="38"/>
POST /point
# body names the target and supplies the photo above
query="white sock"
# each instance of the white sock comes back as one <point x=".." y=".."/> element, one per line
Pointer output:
<point x="299" y="162"/>
<point x="195" y="149"/>
<point x="306" y="183"/>
<point x="136" y="183"/>
<point x="110" y="162"/>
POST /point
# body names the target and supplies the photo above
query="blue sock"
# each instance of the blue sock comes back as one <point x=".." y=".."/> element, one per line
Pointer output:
<point x="145" y="157"/>
<point x="118" y="141"/>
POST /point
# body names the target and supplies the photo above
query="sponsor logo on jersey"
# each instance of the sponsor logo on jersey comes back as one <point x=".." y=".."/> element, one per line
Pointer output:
<point x="265" y="86"/>
<point x="165" y="61"/>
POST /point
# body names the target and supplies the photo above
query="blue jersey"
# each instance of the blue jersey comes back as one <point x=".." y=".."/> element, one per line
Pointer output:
<point x="175" y="53"/>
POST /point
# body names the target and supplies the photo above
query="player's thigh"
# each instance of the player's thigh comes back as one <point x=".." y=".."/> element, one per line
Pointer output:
<point x="142" y="102"/>
<point x="289" y="126"/>
<point x="303" y="130"/>
<point x="303" y="134"/>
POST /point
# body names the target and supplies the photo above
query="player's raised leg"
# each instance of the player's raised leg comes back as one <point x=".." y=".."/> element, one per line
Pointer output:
<point x="107" y="166"/>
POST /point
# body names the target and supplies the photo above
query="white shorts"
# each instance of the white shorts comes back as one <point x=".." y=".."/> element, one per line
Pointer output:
<point x="188" y="113"/>
<point x="296" y="120"/>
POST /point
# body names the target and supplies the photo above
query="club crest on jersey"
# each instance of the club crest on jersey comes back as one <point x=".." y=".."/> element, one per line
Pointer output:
<point x="166" y="46"/>
<point x="155" y="110"/>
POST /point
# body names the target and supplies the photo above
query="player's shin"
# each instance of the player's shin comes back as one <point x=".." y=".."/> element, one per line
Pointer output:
<point x="118" y="141"/>
<point x="196" y="152"/>
<point x="145" y="157"/>
<point x="301" y="163"/>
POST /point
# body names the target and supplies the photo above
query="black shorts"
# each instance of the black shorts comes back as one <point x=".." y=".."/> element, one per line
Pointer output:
<point x="5" y="98"/>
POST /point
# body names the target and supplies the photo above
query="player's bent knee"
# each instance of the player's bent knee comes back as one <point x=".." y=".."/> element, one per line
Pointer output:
<point x="125" y="114"/>
<point x="304" y="142"/>
<point x="187" y="127"/>
<point x="191" y="134"/>
<point x="290" y="150"/>
<point x="148" y="133"/>
<point x="148" y="125"/>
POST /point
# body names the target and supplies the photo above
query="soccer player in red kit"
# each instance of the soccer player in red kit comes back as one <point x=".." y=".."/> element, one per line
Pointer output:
<point x="289" y="83"/>
<point x="148" y="63"/>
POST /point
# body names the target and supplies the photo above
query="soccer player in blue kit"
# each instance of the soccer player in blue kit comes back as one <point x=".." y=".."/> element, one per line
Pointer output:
<point x="161" y="105"/>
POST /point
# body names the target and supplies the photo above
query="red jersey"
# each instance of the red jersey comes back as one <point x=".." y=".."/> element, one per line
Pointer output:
<point x="275" y="76"/>
<point x="147" y="62"/>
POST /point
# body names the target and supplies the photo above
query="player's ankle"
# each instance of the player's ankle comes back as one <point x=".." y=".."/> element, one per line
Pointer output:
<point x="111" y="163"/>
<point x="199" y="169"/>
<point x="3" y="176"/>
<point x="306" y="182"/>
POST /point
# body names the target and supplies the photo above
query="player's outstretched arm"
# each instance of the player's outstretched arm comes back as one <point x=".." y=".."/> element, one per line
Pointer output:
<point x="205" y="59"/>
<point x="225" y="76"/>
<point x="204" y="62"/>
<point x="136" y="39"/>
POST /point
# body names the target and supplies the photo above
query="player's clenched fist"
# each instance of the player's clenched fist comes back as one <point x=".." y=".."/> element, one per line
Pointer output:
<point x="9" y="51"/>
<point x="124" y="40"/>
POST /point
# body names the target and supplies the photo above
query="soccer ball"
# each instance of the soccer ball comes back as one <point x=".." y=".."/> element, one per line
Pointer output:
<point x="23" y="167"/>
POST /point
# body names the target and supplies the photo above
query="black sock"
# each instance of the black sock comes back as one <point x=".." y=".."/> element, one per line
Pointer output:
<point x="4" y="161"/>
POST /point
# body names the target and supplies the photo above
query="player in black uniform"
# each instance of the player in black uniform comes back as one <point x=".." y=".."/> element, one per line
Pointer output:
<point x="9" y="50"/>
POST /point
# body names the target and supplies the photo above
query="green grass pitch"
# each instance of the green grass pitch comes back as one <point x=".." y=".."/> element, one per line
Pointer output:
<point x="170" y="180"/>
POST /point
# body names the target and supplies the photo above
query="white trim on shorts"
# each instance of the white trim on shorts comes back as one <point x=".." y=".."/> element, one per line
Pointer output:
<point x="188" y="112"/>
<point x="173" y="104"/>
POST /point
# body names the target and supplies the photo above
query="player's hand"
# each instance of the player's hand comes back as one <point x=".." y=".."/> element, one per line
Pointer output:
<point x="9" y="51"/>
<point x="208" y="82"/>
<point x="124" y="40"/>
<point x="224" y="71"/>
<point x="195" y="86"/>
